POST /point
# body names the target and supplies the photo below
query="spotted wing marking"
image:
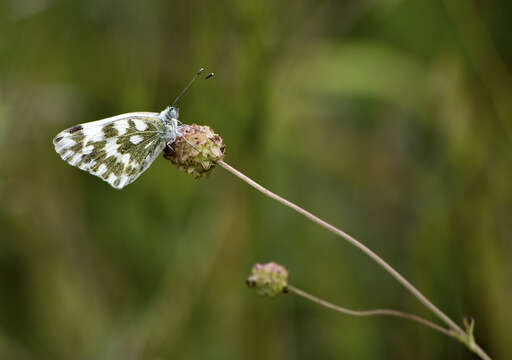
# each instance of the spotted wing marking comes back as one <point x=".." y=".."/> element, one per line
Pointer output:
<point x="117" y="149"/>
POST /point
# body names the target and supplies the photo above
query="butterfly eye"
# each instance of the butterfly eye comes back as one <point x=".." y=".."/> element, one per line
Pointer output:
<point x="174" y="113"/>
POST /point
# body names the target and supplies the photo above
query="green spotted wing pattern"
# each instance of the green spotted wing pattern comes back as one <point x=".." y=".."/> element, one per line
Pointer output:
<point x="117" y="149"/>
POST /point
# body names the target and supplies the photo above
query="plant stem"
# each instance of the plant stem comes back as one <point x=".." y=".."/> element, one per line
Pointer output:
<point x="477" y="350"/>
<point x="462" y="336"/>
<point x="371" y="312"/>
<point x="351" y="240"/>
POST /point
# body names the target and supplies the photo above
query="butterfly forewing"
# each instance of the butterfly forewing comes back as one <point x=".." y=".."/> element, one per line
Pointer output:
<point x="117" y="149"/>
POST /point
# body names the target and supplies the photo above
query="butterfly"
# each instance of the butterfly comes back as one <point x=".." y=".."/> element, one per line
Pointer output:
<point x="119" y="149"/>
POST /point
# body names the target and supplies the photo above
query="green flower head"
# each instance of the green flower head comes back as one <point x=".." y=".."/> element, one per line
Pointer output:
<point x="196" y="151"/>
<point x="269" y="279"/>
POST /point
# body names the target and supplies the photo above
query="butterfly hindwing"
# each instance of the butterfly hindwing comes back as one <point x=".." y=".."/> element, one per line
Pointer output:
<point x="117" y="149"/>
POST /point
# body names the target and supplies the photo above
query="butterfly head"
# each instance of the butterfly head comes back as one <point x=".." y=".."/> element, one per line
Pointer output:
<point x="169" y="114"/>
<point x="174" y="112"/>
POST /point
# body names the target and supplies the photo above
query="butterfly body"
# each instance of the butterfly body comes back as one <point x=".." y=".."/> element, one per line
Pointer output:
<point x="120" y="148"/>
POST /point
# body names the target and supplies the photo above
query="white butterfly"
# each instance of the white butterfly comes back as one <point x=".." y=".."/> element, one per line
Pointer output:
<point x="119" y="149"/>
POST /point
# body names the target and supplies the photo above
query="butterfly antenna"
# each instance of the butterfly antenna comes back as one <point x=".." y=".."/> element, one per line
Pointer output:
<point x="184" y="91"/>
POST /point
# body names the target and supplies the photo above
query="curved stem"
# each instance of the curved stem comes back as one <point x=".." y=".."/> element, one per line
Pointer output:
<point x="374" y="312"/>
<point x="456" y="329"/>
<point x="351" y="240"/>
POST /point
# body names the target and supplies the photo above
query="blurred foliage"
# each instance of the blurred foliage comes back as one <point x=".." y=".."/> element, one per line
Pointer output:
<point x="390" y="119"/>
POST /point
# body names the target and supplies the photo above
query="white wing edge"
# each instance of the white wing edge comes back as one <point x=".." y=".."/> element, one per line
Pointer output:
<point x="119" y="117"/>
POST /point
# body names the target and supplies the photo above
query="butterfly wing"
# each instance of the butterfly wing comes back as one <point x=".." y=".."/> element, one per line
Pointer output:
<point x="117" y="149"/>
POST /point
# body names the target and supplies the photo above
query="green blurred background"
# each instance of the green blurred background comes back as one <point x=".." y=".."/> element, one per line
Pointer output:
<point x="390" y="119"/>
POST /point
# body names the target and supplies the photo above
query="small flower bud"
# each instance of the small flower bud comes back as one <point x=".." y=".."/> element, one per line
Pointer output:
<point x="269" y="279"/>
<point x="196" y="151"/>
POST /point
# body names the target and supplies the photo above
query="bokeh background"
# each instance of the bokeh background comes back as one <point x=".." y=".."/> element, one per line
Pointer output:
<point x="390" y="119"/>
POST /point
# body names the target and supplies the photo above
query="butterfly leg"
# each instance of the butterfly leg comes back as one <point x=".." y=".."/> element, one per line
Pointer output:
<point x="178" y="132"/>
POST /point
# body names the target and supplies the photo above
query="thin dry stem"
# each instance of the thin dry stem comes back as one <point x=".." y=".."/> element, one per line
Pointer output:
<point x="351" y="240"/>
<point x="456" y="329"/>
<point x="374" y="312"/>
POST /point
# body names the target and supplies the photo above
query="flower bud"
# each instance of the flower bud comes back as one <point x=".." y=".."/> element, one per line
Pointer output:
<point x="196" y="151"/>
<point x="269" y="279"/>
